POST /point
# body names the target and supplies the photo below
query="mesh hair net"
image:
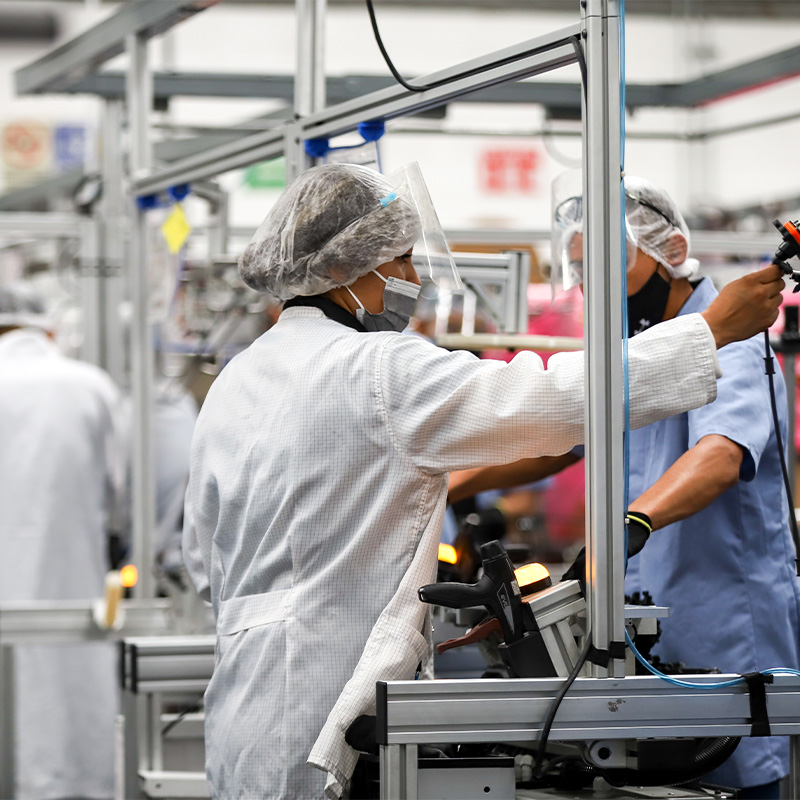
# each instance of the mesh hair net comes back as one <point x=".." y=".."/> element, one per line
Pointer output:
<point x="653" y="221"/>
<point x="21" y="306"/>
<point x="328" y="228"/>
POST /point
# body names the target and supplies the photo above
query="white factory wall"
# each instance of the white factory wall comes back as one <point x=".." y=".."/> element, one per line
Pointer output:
<point x="729" y="170"/>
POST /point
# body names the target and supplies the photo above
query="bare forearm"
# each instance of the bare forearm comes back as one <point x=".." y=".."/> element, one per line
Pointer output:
<point x="469" y="482"/>
<point x="693" y="482"/>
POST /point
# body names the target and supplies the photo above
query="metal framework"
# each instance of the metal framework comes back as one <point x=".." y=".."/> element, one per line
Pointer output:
<point x="513" y="63"/>
<point x="411" y="713"/>
<point x="416" y="712"/>
<point x="85" y="53"/>
<point x="152" y="670"/>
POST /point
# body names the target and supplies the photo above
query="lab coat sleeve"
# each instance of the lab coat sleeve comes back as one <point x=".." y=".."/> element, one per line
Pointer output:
<point x="449" y="411"/>
<point x="197" y="562"/>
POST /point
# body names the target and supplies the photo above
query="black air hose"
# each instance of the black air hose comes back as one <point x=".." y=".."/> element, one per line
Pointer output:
<point x="711" y="754"/>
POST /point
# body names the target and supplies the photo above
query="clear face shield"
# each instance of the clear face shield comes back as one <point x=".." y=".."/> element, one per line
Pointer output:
<point x="432" y="257"/>
<point x="567" y="232"/>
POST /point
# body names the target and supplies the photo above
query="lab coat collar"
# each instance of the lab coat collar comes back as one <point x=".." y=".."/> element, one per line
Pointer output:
<point x="26" y="343"/>
<point x="330" y="309"/>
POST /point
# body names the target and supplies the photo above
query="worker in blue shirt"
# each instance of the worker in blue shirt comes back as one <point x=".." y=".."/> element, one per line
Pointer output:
<point x="709" y="481"/>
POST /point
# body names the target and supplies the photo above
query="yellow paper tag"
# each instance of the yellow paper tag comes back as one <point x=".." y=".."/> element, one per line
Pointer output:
<point x="176" y="229"/>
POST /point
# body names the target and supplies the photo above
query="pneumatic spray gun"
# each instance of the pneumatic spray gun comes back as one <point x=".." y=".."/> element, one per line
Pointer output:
<point x="790" y="246"/>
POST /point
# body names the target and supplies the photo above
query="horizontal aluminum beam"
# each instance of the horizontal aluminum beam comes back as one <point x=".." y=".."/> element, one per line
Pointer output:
<point x="492" y="710"/>
<point x="167" y="663"/>
<point x="86" y="52"/>
<point x="38" y="196"/>
<point x="239" y="153"/>
<point x="48" y="225"/>
<point x="742" y="77"/>
<point x="556" y="95"/>
<point x="62" y="621"/>
<point x="512" y="63"/>
<point x="171" y="784"/>
<point x="756" y="9"/>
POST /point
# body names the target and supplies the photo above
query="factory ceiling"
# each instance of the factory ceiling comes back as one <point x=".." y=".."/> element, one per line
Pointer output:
<point x="724" y="9"/>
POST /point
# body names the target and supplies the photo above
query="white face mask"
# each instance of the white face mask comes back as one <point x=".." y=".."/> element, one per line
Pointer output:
<point x="399" y="299"/>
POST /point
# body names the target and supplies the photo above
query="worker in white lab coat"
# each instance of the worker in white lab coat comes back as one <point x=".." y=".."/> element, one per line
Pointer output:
<point x="60" y="474"/>
<point x="319" y="470"/>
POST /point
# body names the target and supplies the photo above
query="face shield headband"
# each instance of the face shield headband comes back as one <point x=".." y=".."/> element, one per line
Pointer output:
<point x="567" y="238"/>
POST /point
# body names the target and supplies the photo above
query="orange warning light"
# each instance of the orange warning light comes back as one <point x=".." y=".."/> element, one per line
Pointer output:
<point x="532" y="578"/>
<point x="128" y="575"/>
<point x="447" y="553"/>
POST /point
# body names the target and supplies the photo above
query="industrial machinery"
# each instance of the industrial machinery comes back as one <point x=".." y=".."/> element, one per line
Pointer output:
<point x="538" y="629"/>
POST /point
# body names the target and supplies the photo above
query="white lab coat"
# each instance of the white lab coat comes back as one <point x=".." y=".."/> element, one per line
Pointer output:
<point x="174" y="414"/>
<point x="60" y="472"/>
<point x="315" y="502"/>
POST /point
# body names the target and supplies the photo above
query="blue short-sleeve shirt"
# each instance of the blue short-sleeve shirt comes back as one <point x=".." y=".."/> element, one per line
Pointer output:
<point x="727" y="572"/>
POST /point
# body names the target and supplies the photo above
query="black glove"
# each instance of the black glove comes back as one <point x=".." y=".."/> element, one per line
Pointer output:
<point x="639" y="530"/>
<point x="361" y="735"/>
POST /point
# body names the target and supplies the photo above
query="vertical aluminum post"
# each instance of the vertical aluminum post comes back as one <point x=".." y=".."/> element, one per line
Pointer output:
<point x="91" y="292"/>
<point x="398" y="766"/>
<point x="111" y="216"/>
<point x="309" y="81"/>
<point x="7" y="722"/>
<point x="139" y="95"/>
<point x="602" y="191"/>
<point x="91" y="273"/>
<point x="794" y="766"/>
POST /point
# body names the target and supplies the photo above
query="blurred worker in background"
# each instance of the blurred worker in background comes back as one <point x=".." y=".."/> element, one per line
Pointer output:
<point x="319" y="469"/>
<point x="711" y="478"/>
<point x="60" y="478"/>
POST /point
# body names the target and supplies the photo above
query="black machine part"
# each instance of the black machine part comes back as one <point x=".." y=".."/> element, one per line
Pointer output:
<point x="523" y="650"/>
<point x="662" y="762"/>
<point x="790" y="246"/>
<point x="497" y="590"/>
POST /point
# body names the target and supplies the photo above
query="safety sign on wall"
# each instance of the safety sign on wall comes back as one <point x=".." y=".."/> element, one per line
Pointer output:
<point x="26" y="152"/>
<point x="69" y="147"/>
<point x="509" y="170"/>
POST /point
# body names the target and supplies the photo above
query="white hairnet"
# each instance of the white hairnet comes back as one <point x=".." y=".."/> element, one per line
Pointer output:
<point x="653" y="220"/>
<point x="330" y="226"/>
<point x="21" y="307"/>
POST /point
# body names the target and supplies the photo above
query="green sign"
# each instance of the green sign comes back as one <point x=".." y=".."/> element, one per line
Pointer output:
<point x="266" y="175"/>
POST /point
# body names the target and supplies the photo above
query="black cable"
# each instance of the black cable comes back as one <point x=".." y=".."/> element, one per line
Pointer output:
<point x="769" y="366"/>
<point x="172" y="723"/>
<point x="553" y="710"/>
<point x="501" y="62"/>
<point x="397" y="76"/>
<point x="578" y="47"/>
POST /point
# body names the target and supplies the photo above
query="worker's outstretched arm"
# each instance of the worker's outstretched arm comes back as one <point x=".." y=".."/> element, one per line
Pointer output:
<point x="693" y="482"/>
<point x="745" y="306"/>
<point x="468" y="482"/>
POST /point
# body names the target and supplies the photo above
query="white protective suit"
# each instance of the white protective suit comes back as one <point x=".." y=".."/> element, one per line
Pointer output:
<point x="60" y="470"/>
<point x="315" y="504"/>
